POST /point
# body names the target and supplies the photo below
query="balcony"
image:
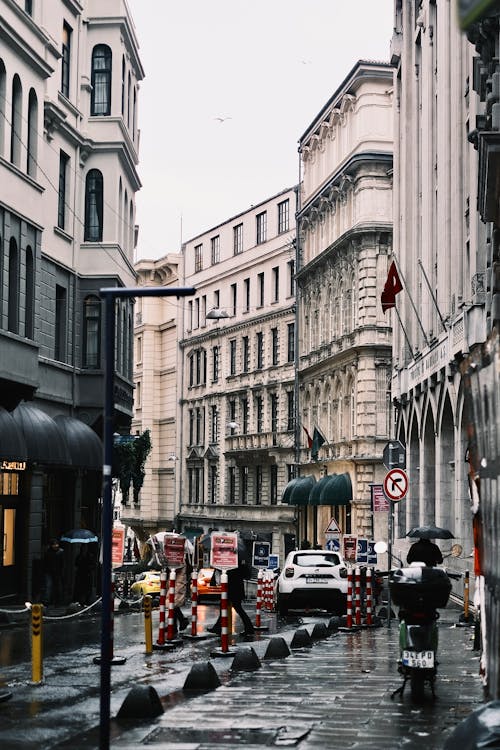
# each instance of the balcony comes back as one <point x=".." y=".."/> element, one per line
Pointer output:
<point x="259" y="442"/>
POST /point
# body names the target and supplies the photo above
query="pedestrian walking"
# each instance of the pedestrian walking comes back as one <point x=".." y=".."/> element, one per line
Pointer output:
<point x="180" y="620"/>
<point x="425" y="551"/>
<point x="53" y="571"/>
<point x="236" y="594"/>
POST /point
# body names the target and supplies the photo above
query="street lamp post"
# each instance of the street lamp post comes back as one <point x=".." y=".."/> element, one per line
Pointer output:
<point x="109" y="295"/>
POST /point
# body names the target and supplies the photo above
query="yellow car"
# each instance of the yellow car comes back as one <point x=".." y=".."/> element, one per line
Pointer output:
<point x="147" y="583"/>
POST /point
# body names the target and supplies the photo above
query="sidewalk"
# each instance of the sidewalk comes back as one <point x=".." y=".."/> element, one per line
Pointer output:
<point x="334" y="695"/>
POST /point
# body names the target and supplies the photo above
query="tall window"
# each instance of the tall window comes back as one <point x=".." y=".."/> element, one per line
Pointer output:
<point x="32" y="150"/>
<point x="274" y="412"/>
<point x="234" y="298"/>
<point x="65" y="59"/>
<point x="61" y="323"/>
<point x="16" y="121"/>
<point x="123" y="85"/>
<point x="244" y="484"/>
<point x="290" y="349"/>
<point x="290" y="411"/>
<point x="215" y="249"/>
<point x="244" y="416"/>
<point x="259" y="406"/>
<point x="260" y="289"/>
<point x="100" y="98"/>
<point x="214" y="424"/>
<point x="232" y="357"/>
<point x="276" y="283"/>
<point x="261" y="220"/>
<point x="275" y="346"/>
<point x="246" y="291"/>
<point x="232" y="484"/>
<point x="30" y="293"/>
<point x="191" y="427"/>
<point x="238" y="239"/>
<point x="28" y="6"/>
<point x="212" y="490"/>
<point x="291" y="277"/>
<point x="91" y="332"/>
<point x="260" y="350"/>
<point x="61" y="199"/>
<point x="3" y="102"/>
<point x="232" y="416"/>
<point x="215" y="363"/>
<point x="283" y="216"/>
<point x="246" y="354"/>
<point x="13" y="290"/>
<point x="258" y="485"/>
<point x="273" y="497"/>
<point x="93" y="206"/>
<point x="198" y="258"/>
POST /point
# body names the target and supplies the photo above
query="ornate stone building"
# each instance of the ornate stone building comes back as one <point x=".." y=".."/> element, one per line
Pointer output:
<point x="345" y="239"/>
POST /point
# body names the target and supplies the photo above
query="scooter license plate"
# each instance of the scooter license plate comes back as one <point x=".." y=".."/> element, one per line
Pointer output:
<point x="419" y="659"/>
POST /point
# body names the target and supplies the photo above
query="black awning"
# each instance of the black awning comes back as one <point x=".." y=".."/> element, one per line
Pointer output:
<point x="12" y="443"/>
<point x="297" y="490"/>
<point x="334" y="489"/>
<point x="45" y="443"/>
<point x="85" y="447"/>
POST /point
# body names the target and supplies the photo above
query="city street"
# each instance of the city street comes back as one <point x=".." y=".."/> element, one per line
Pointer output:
<point x="335" y="694"/>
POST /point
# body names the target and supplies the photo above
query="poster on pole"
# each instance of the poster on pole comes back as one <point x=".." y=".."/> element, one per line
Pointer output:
<point x="260" y="554"/>
<point x="379" y="501"/>
<point x="362" y="553"/>
<point x="372" y="555"/>
<point x="117" y="545"/>
<point x="223" y="550"/>
<point x="350" y="548"/>
<point x="174" y="547"/>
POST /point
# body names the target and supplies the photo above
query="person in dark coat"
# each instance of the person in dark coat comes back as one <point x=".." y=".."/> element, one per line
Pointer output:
<point x="85" y="564"/>
<point x="53" y="571"/>
<point x="236" y="594"/>
<point x="425" y="551"/>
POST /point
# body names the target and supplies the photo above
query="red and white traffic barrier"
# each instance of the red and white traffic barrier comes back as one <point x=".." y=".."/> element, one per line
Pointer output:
<point x="163" y="596"/>
<point x="258" y="602"/>
<point x="357" y="596"/>
<point x="194" y="602"/>
<point x="349" y="599"/>
<point x="369" y="597"/>
<point x="270" y="590"/>
<point x="112" y="619"/>
<point x="224" y="635"/>
<point x="171" y="605"/>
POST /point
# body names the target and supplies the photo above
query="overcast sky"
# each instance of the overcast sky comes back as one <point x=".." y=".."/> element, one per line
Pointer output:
<point x="268" y="66"/>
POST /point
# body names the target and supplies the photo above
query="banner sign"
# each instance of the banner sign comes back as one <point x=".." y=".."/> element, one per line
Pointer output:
<point x="379" y="501"/>
<point x="362" y="555"/>
<point x="174" y="551"/>
<point x="260" y="554"/>
<point x="372" y="555"/>
<point x="223" y="550"/>
<point x="117" y="546"/>
<point x="350" y="548"/>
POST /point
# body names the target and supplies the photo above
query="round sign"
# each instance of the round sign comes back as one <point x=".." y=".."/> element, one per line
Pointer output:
<point x="396" y="484"/>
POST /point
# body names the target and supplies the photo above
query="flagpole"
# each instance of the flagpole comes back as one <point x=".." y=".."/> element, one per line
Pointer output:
<point x="411" y="299"/>
<point x="404" y="331"/>
<point x="433" y="297"/>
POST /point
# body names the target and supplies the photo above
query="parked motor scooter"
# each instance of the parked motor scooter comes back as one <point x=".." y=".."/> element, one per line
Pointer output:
<point x="419" y="592"/>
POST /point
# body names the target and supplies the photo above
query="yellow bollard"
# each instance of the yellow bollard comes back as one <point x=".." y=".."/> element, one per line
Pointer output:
<point x="148" y="624"/>
<point x="37" y="643"/>
<point x="466" y="596"/>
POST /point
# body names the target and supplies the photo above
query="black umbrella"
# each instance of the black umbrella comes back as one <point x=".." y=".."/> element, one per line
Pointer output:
<point x="480" y="729"/>
<point x="429" y="532"/>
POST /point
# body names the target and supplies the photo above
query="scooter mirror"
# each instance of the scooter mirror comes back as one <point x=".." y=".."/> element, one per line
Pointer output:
<point x="380" y="547"/>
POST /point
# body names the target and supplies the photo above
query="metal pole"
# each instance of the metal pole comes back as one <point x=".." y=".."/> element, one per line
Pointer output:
<point x="389" y="556"/>
<point x="107" y="519"/>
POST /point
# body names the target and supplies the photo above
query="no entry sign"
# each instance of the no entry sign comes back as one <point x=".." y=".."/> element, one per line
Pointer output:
<point x="396" y="484"/>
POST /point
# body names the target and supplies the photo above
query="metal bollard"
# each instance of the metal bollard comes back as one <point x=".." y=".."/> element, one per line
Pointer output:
<point x="224" y="637"/>
<point x="194" y="603"/>
<point x="163" y="596"/>
<point x="37" y="643"/>
<point x="357" y="596"/>
<point x="258" y="603"/>
<point x="369" y="598"/>
<point x="148" y="624"/>
<point x="171" y="606"/>
<point x="349" y="599"/>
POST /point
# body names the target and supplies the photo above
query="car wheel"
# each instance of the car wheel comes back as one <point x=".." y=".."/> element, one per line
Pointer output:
<point x="282" y="605"/>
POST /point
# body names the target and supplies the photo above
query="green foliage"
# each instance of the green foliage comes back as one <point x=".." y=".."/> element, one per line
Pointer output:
<point x="129" y="460"/>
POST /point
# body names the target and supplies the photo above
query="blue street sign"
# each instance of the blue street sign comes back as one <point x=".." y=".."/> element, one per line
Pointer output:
<point x="362" y="552"/>
<point x="274" y="562"/>
<point x="333" y="545"/>
<point x="372" y="555"/>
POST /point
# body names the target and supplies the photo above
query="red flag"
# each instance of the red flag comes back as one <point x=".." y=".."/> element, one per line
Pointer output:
<point x="392" y="287"/>
<point x="309" y="438"/>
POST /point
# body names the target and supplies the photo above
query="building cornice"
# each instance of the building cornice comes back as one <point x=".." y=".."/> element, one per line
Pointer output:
<point x="21" y="46"/>
<point x="231" y="330"/>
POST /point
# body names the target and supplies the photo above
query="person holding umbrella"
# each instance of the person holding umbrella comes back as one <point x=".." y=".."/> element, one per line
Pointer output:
<point x="53" y="570"/>
<point x="424" y="550"/>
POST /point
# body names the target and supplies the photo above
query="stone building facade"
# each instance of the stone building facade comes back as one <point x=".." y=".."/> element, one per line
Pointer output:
<point x="345" y="239"/>
<point x="69" y="75"/>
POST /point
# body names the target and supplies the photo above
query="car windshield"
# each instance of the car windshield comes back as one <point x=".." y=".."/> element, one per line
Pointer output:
<point x="318" y="560"/>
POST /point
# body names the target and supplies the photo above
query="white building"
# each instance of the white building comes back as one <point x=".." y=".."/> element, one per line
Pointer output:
<point x="235" y="444"/>
<point x="440" y="247"/>
<point x="345" y="224"/>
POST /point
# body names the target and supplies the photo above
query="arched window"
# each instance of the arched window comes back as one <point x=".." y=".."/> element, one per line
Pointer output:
<point x="3" y="78"/>
<point x="131" y="226"/>
<point x="32" y="133"/>
<point x="129" y="98"/>
<point x="123" y="85"/>
<point x="13" y="291"/>
<point x="125" y="221"/>
<point x="93" y="206"/>
<point x="30" y="293"/>
<point x="100" y="101"/>
<point x="91" y="332"/>
<point x="134" y="114"/>
<point x="120" y="220"/>
<point x="16" y="121"/>
<point x="122" y="365"/>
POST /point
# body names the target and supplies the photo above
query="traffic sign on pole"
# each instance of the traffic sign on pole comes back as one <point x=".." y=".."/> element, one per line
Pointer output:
<point x="396" y="484"/>
<point x="394" y="455"/>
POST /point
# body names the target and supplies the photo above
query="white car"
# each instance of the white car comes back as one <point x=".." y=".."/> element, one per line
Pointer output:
<point x="312" y="579"/>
